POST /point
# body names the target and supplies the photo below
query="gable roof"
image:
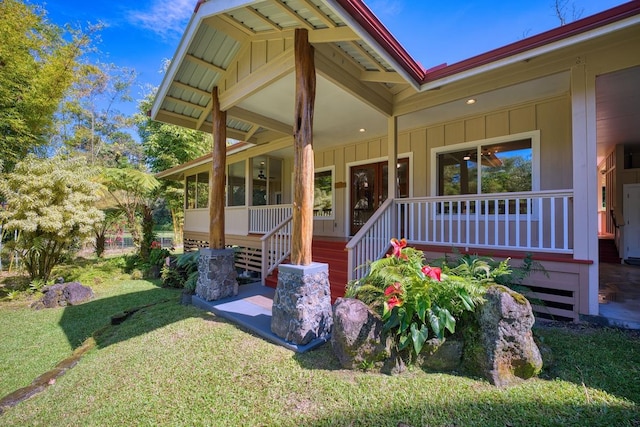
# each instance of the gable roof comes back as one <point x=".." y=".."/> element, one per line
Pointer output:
<point x="361" y="66"/>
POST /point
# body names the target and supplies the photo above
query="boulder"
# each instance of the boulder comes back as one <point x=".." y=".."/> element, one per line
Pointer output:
<point x="357" y="337"/>
<point x="443" y="355"/>
<point x="506" y="351"/>
<point x="63" y="294"/>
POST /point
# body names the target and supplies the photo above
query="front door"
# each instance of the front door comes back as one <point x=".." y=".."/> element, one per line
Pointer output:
<point x="369" y="189"/>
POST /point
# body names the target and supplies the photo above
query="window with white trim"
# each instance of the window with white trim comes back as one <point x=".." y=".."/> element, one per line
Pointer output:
<point x="323" y="196"/>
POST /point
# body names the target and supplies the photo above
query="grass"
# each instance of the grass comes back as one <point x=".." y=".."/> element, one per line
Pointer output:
<point x="176" y="365"/>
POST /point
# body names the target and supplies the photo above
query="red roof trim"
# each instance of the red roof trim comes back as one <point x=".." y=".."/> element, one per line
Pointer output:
<point x="572" y="29"/>
<point x="372" y="25"/>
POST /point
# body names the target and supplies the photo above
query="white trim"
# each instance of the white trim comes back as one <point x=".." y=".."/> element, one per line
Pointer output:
<point x="535" y="155"/>
<point x="366" y="36"/>
<point x="331" y="168"/>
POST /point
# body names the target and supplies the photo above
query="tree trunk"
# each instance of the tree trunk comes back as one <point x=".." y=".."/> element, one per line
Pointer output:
<point x="218" y="171"/>
<point x="302" y="233"/>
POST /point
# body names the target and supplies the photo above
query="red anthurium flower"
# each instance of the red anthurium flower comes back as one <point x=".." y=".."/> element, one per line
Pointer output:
<point x="396" y="288"/>
<point x="433" y="272"/>
<point x="394" y="301"/>
<point x="398" y="245"/>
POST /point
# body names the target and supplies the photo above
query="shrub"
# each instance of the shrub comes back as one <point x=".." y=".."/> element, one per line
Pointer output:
<point x="417" y="301"/>
<point x="182" y="272"/>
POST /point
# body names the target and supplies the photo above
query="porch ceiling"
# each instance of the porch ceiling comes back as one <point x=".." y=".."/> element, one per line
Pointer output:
<point x="355" y="84"/>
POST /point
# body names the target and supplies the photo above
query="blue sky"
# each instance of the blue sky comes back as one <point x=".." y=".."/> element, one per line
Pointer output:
<point x="141" y="34"/>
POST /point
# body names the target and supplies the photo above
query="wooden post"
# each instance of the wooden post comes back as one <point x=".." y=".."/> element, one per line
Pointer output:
<point x="303" y="178"/>
<point x="218" y="172"/>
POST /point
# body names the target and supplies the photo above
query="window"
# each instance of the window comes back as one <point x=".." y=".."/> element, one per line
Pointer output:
<point x="236" y="184"/>
<point x="197" y="191"/>
<point x="323" y="194"/>
<point x="503" y="167"/>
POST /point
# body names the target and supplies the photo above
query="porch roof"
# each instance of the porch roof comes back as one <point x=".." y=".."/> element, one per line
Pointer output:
<point x="364" y="74"/>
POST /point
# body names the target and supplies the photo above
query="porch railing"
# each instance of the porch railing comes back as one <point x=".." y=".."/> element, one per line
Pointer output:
<point x="263" y="219"/>
<point x="372" y="241"/>
<point x="528" y="221"/>
<point x="276" y="246"/>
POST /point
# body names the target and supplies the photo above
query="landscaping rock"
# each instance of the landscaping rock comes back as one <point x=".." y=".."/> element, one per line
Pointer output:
<point x="357" y="337"/>
<point x="63" y="294"/>
<point x="441" y="355"/>
<point x="509" y="353"/>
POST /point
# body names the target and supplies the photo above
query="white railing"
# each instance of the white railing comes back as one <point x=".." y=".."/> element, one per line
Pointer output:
<point x="263" y="219"/>
<point x="372" y="241"/>
<point x="529" y="221"/>
<point x="276" y="246"/>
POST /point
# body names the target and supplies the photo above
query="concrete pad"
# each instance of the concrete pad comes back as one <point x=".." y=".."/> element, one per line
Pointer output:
<point x="251" y="309"/>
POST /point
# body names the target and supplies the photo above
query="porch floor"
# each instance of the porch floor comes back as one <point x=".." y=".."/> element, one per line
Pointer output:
<point x="251" y="309"/>
<point x="619" y="295"/>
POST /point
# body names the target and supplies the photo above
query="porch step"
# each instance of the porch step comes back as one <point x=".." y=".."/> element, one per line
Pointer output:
<point x="329" y="252"/>
<point x="607" y="252"/>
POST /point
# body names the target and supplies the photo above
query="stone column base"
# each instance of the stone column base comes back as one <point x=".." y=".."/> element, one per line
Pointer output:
<point x="216" y="274"/>
<point x="302" y="303"/>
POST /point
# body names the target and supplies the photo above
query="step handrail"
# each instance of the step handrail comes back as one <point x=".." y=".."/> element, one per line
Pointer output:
<point x="276" y="246"/>
<point x="372" y="241"/>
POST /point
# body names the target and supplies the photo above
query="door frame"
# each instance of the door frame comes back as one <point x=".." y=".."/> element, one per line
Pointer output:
<point x="625" y="216"/>
<point x="347" y="174"/>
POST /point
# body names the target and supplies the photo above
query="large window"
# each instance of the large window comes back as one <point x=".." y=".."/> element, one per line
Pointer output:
<point x="236" y="184"/>
<point x="502" y="167"/>
<point x="197" y="191"/>
<point x="323" y="194"/>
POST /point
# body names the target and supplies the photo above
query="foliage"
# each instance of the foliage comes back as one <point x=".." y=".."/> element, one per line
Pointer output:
<point x="38" y="64"/>
<point x="417" y="301"/>
<point x="131" y="190"/>
<point x="51" y="204"/>
<point x="89" y="124"/>
<point x="182" y="272"/>
<point x="111" y="220"/>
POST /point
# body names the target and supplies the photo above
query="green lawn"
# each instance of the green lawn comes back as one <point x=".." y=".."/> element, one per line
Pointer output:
<point x="175" y="365"/>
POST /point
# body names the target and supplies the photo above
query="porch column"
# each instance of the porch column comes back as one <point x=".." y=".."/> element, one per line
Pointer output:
<point x="218" y="172"/>
<point x="392" y="150"/>
<point x="301" y="311"/>
<point x="585" y="182"/>
<point x="216" y="265"/>
<point x="302" y="231"/>
<point x="392" y="174"/>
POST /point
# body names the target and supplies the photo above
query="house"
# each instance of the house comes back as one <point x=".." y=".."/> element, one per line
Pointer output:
<point x="533" y="147"/>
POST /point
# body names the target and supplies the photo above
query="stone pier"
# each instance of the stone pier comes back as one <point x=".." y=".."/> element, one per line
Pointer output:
<point x="302" y="303"/>
<point x="216" y="274"/>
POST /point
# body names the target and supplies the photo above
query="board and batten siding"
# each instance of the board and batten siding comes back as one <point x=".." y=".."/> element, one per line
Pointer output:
<point x="552" y="117"/>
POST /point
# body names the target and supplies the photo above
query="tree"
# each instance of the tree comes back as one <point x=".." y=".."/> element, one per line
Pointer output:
<point x="131" y="190"/>
<point x="166" y="146"/>
<point x="50" y="202"/>
<point x="38" y="64"/>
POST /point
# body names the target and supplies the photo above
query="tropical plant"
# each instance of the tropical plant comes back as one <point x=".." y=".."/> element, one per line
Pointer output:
<point x="50" y="202"/>
<point x="182" y="272"/>
<point x="417" y="301"/>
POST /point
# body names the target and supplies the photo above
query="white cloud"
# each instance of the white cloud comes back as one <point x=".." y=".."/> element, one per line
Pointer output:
<point x="167" y="18"/>
<point x="387" y="8"/>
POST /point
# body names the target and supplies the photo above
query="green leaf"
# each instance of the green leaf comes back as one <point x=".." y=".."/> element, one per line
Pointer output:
<point x="403" y="341"/>
<point x="422" y="306"/>
<point x="419" y="336"/>
<point x="434" y="321"/>
<point x="466" y="299"/>
<point x="447" y="320"/>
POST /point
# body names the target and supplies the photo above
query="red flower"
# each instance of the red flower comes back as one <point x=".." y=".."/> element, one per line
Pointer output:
<point x="396" y="288"/>
<point x="394" y="301"/>
<point x="156" y="245"/>
<point x="398" y="245"/>
<point x="433" y="272"/>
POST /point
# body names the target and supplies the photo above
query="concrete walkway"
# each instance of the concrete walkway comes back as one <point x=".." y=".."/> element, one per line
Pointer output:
<point x="620" y="295"/>
<point x="251" y="309"/>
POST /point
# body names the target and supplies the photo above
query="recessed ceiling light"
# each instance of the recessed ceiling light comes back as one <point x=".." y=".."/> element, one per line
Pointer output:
<point x="362" y="130"/>
<point x="471" y="101"/>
